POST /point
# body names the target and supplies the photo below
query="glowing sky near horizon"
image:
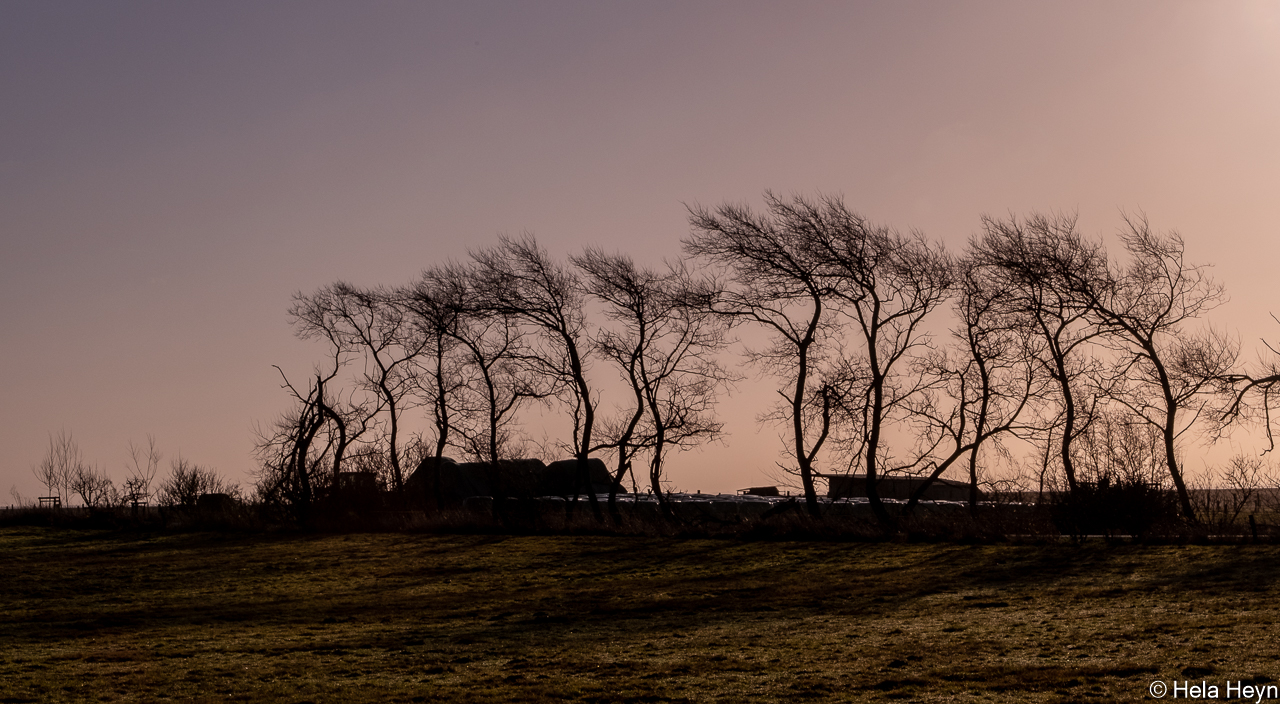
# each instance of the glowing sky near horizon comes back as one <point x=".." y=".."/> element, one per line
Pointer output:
<point x="171" y="173"/>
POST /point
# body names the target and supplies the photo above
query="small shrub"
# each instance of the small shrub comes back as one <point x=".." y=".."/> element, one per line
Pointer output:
<point x="188" y="481"/>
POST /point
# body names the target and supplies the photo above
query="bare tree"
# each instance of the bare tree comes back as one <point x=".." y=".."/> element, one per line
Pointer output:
<point x="987" y="384"/>
<point x="289" y="468"/>
<point x="144" y="462"/>
<point x="438" y="302"/>
<point x="506" y="372"/>
<point x="632" y="301"/>
<point x="62" y="461"/>
<point x="93" y="486"/>
<point x="664" y="344"/>
<point x="887" y="284"/>
<point x="303" y="451"/>
<point x="777" y="280"/>
<point x="373" y="324"/>
<point x="1027" y="259"/>
<point x="520" y="280"/>
<point x="1143" y="307"/>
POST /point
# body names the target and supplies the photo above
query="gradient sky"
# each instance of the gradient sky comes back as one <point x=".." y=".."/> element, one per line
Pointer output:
<point x="171" y="173"/>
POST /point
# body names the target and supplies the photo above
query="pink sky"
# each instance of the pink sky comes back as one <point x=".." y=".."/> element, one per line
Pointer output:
<point x="171" y="173"/>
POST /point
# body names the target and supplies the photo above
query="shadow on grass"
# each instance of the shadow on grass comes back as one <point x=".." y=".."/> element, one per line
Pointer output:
<point x="646" y="615"/>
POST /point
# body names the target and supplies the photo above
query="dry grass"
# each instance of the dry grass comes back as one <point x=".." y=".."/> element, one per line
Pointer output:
<point x="392" y="617"/>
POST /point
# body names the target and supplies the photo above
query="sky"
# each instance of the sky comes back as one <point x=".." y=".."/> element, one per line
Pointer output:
<point x="172" y="173"/>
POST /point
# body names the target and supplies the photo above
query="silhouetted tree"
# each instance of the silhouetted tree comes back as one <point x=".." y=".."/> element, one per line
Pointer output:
<point x="886" y="284"/>
<point x="1142" y="307"/>
<point x="438" y="304"/>
<point x="503" y="371"/>
<point x="373" y="324"/>
<point x="62" y="461"/>
<point x="632" y="300"/>
<point x="986" y="382"/>
<point x="144" y="462"/>
<point x="304" y="449"/>
<point x="289" y="468"/>
<point x="93" y="486"/>
<point x="778" y="280"/>
<point x="1026" y="259"/>
<point x="520" y="280"/>
<point x="664" y="342"/>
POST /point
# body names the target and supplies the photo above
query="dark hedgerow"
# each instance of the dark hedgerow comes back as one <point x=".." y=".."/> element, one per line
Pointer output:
<point x="1111" y="506"/>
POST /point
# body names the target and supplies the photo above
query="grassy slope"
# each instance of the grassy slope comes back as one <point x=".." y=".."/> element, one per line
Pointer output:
<point x="392" y="617"/>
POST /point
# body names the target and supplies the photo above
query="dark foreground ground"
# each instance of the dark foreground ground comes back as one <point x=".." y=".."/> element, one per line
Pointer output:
<point x="395" y="617"/>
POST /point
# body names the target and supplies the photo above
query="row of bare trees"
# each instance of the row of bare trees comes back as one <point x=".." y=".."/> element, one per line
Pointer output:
<point x="67" y="475"/>
<point x="1049" y="338"/>
<point x="476" y="344"/>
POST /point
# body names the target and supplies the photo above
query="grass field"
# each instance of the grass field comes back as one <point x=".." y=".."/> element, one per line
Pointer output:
<point x="90" y="616"/>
